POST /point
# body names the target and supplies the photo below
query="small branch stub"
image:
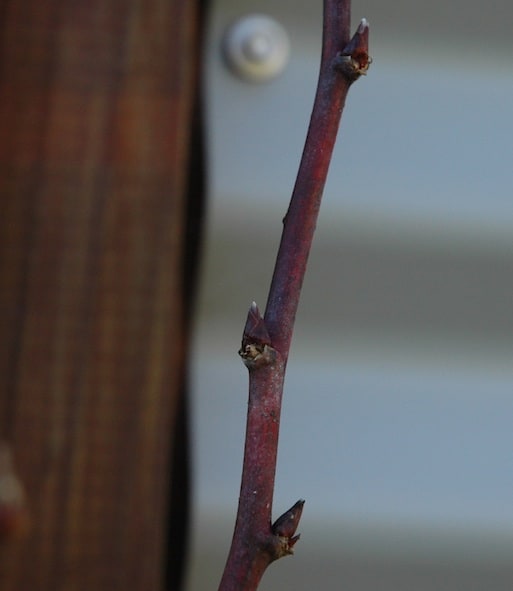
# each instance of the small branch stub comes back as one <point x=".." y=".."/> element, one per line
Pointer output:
<point x="354" y="60"/>
<point x="256" y="350"/>
<point x="14" y="517"/>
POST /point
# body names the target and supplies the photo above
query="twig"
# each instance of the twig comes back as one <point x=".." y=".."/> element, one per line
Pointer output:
<point x="266" y="341"/>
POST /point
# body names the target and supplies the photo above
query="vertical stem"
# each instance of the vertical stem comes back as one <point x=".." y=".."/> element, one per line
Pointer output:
<point x="266" y="341"/>
<point x="301" y="218"/>
<point x="254" y="546"/>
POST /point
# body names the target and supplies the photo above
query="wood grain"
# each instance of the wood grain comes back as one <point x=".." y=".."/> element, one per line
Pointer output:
<point x="95" y="109"/>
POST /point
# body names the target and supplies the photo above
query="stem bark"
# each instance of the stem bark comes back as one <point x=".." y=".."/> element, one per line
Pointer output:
<point x="266" y="341"/>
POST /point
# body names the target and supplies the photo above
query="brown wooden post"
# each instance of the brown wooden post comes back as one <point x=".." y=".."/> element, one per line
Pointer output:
<point x="95" y="110"/>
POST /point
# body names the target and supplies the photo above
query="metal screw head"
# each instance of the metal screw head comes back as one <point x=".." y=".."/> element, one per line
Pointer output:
<point x="256" y="48"/>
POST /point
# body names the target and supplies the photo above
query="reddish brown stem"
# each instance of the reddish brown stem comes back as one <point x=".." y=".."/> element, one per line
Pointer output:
<point x="266" y="341"/>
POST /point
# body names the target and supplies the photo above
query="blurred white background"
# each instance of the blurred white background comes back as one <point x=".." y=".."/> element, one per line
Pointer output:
<point x="396" y="425"/>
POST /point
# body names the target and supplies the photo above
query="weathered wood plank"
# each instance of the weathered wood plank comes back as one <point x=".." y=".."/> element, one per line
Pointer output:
<point x="95" y="116"/>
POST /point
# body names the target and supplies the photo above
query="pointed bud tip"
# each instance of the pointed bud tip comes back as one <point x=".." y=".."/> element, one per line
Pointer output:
<point x="285" y="526"/>
<point x="255" y="330"/>
<point x="364" y="24"/>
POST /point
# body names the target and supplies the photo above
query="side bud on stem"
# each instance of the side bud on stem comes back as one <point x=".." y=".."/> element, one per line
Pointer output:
<point x="285" y="527"/>
<point x="256" y="350"/>
<point x="354" y="60"/>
